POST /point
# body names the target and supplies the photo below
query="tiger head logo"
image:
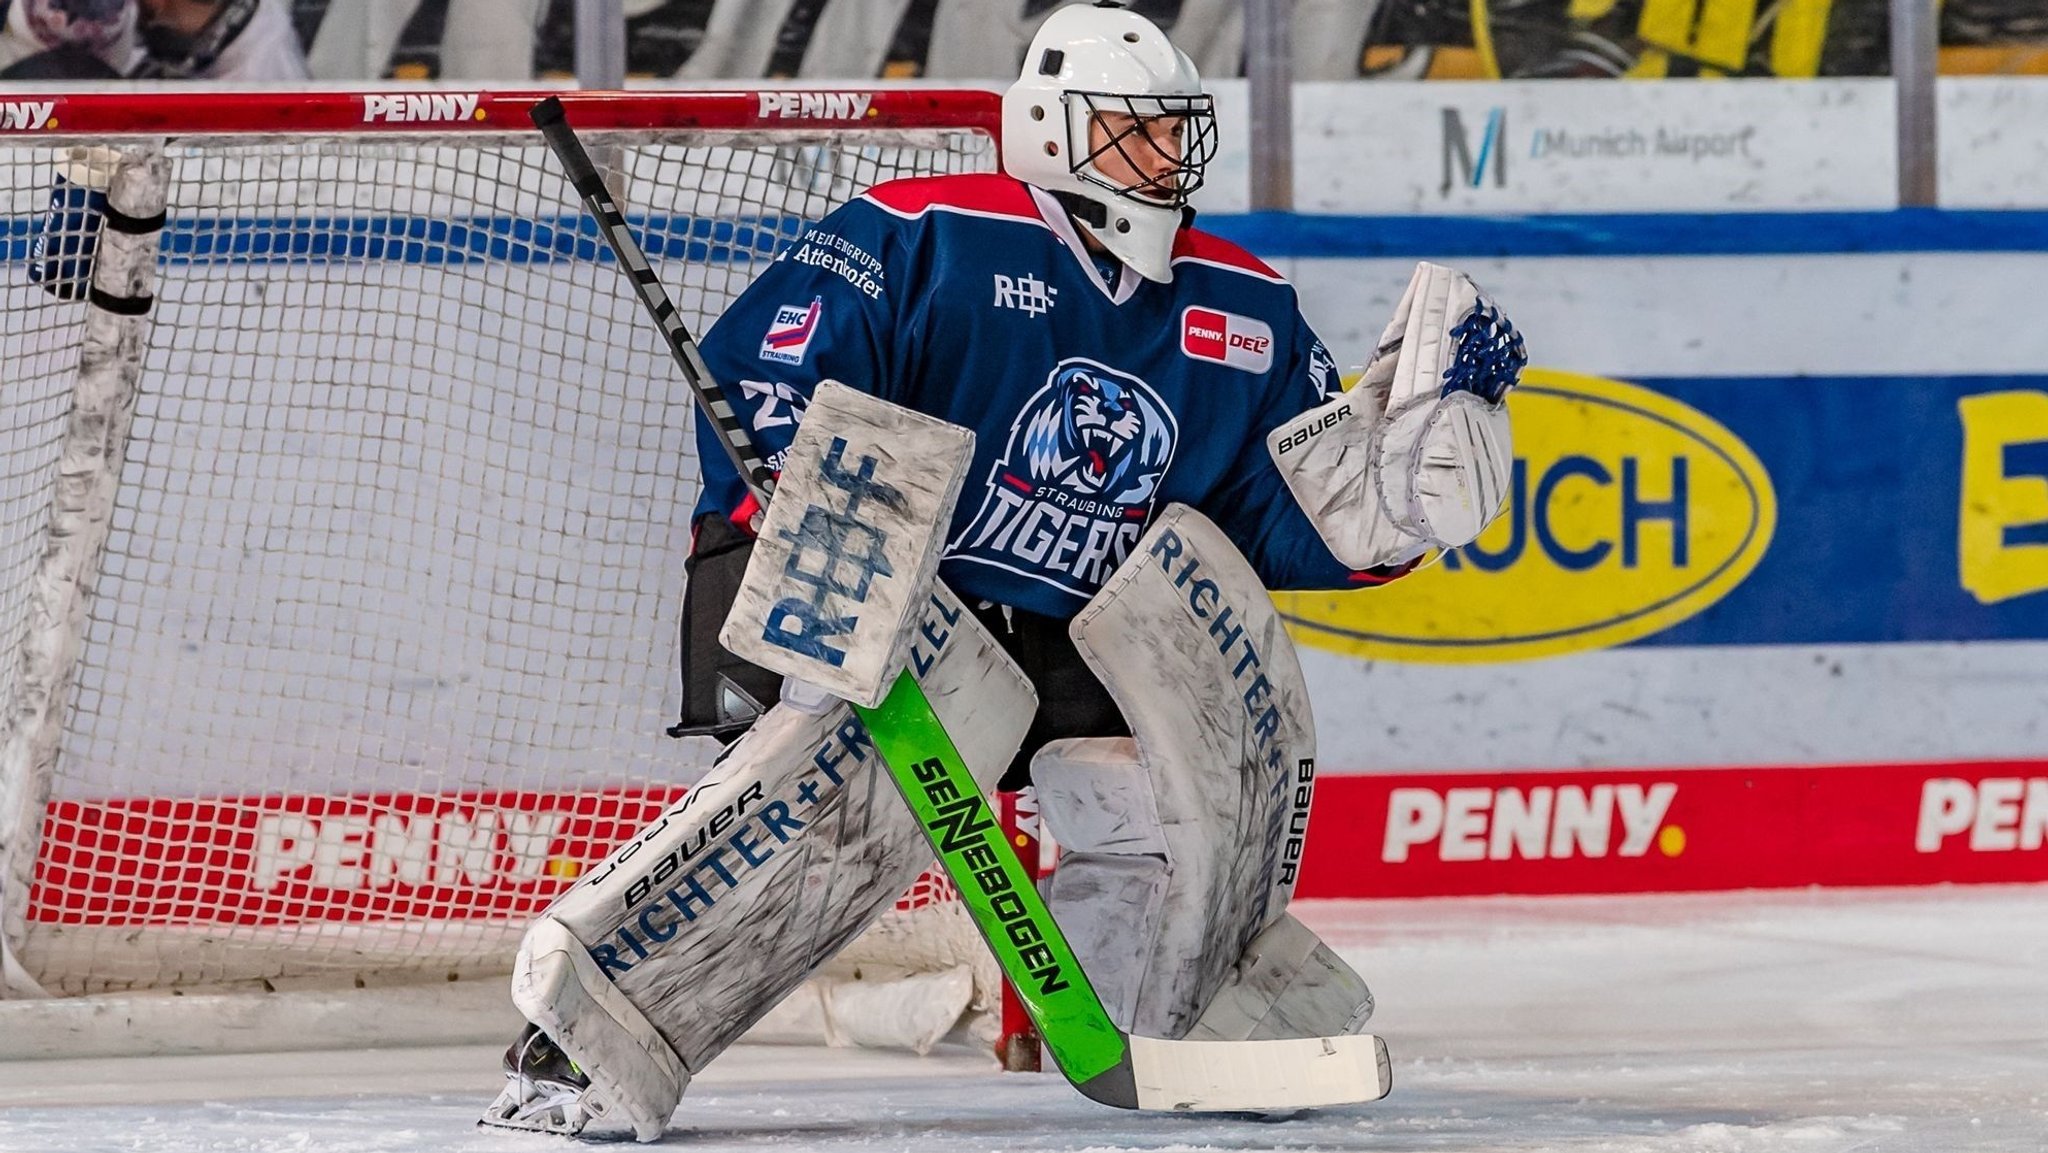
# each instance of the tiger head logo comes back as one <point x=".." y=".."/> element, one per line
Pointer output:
<point x="1096" y="433"/>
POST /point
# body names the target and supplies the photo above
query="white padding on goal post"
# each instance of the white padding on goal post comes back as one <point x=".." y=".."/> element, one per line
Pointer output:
<point x="914" y="1011"/>
<point x="836" y="586"/>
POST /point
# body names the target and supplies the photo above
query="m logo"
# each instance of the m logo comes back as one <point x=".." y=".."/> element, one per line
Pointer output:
<point x="1461" y="164"/>
<point x="1027" y="294"/>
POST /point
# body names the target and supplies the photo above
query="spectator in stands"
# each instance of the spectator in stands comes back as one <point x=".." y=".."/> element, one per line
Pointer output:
<point x="218" y="40"/>
<point x="64" y="39"/>
<point x="240" y="40"/>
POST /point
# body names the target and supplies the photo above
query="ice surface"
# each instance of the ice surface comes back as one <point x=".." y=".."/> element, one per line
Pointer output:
<point x="1901" y="1021"/>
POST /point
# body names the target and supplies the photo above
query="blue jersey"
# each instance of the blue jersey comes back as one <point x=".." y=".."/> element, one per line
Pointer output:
<point x="1095" y="400"/>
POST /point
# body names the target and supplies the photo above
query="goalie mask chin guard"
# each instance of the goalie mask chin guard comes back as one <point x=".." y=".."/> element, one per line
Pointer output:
<point x="1102" y="62"/>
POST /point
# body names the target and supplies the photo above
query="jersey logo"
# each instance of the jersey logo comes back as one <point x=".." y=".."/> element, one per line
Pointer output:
<point x="1226" y="338"/>
<point x="1076" y="482"/>
<point x="789" y="335"/>
<point x="1027" y="294"/>
<point x="1322" y="371"/>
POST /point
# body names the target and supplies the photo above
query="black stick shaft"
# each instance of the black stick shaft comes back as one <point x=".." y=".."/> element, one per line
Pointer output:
<point x="549" y="117"/>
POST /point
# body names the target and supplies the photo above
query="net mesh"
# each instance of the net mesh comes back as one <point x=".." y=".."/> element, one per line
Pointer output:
<point x="383" y="640"/>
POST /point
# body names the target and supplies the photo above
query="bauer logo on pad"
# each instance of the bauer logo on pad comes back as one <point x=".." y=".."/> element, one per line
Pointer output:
<point x="1226" y="338"/>
<point x="789" y="335"/>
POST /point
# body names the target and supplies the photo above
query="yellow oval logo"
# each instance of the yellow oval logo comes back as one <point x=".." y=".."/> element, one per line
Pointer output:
<point x="1629" y="513"/>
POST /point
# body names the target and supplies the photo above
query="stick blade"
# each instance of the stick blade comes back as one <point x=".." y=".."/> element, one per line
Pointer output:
<point x="1260" y="1076"/>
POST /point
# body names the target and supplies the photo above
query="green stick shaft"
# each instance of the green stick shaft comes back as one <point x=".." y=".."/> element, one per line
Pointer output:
<point x="999" y="896"/>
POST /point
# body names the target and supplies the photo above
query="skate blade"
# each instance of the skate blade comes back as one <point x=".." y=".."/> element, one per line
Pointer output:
<point x="539" y="1107"/>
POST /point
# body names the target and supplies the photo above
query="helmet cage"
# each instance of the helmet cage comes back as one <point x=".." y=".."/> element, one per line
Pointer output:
<point x="1168" y="189"/>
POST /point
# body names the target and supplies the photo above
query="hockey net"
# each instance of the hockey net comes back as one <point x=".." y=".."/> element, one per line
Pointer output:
<point x="343" y="581"/>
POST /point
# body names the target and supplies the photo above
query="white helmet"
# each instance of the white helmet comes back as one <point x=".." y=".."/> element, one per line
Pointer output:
<point x="1103" y="58"/>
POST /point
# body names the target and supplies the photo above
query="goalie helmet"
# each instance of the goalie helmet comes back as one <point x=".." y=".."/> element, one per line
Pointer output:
<point x="1092" y="60"/>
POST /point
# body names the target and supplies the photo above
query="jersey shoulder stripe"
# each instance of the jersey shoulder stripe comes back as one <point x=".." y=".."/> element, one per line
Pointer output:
<point x="970" y="193"/>
<point x="1192" y="244"/>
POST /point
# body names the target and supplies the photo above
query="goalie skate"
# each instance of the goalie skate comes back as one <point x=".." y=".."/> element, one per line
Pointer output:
<point x="544" y="1091"/>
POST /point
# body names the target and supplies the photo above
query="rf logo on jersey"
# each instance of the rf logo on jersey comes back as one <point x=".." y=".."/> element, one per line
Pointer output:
<point x="1027" y="294"/>
<point x="1075" y="485"/>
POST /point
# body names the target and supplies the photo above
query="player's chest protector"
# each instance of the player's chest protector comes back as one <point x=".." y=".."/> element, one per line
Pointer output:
<point x="1183" y="843"/>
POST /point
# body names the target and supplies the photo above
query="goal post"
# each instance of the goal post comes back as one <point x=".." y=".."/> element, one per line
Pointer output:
<point x="343" y="503"/>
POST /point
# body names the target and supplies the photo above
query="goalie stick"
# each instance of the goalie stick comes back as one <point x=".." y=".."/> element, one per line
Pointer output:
<point x="1103" y="1062"/>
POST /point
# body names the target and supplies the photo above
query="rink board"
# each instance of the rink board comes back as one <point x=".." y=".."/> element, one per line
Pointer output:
<point x="1677" y="830"/>
<point x="1861" y="625"/>
<point x="1856" y="574"/>
<point x="405" y="857"/>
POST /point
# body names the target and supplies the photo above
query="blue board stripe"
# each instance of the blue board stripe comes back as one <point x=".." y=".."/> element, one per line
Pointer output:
<point x="1274" y="235"/>
<point x="424" y="240"/>
<point x="1281" y="235"/>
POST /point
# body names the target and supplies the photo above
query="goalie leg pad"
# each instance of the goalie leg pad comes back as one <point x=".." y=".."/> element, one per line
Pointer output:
<point x="1287" y="984"/>
<point x="761" y="873"/>
<point x="1212" y="790"/>
<point x="1110" y="888"/>
<point x="635" y="1076"/>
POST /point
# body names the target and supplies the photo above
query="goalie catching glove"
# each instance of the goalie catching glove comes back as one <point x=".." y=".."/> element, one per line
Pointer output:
<point x="1419" y="455"/>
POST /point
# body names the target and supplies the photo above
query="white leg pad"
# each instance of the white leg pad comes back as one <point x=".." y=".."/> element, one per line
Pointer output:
<point x="1095" y="797"/>
<point x="686" y="934"/>
<point x="1109" y="891"/>
<point x="1185" y="838"/>
<point x="1287" y="984"/>
<point x="634" y="1074"/>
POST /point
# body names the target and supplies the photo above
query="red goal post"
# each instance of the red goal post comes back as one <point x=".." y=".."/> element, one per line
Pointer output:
<point x="779" y="114"/>
<point x="343" y="500"/>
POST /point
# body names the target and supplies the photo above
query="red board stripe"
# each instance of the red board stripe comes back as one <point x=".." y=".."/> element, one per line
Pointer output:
<point x="394" y="856"/>
<point x="1672" y="830"/>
